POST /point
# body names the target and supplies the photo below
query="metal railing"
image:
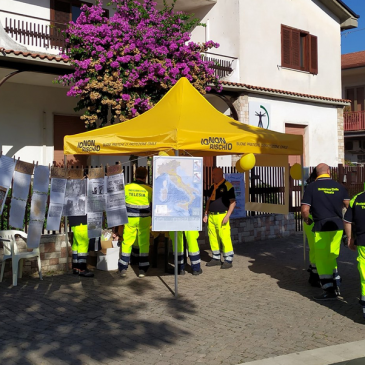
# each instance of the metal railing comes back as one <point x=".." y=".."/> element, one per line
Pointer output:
<point x="354" y="121"/>
<point x="44" y="33"/>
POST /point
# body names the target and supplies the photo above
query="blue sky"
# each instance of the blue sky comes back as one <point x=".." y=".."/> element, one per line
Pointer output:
<point x="353" y="40"/>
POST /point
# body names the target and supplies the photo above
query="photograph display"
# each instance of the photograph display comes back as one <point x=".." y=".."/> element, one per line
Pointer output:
<point x="75" y="198"/>
<point x="116" y="210"/>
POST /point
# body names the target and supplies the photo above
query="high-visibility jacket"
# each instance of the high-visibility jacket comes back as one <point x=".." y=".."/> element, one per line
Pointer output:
<point x="138" y="198"/>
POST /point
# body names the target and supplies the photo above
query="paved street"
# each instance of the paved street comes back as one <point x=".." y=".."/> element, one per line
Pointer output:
<point x="260" y="308"/>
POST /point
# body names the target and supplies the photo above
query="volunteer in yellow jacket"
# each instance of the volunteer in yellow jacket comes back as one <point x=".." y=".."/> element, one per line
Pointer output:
<point x="138" y="198"/>
<point x="193" y="248"/>
<point x="222" y="201"/>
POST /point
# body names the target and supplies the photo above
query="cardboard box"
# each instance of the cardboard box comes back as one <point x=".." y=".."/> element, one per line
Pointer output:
<point x="108" y="256"/>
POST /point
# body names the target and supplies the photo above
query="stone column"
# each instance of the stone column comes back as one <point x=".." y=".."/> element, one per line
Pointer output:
<point x="241" y="105"/>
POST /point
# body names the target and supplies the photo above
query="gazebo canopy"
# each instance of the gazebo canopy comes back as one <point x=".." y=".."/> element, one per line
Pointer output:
<point x="182" y="120"/>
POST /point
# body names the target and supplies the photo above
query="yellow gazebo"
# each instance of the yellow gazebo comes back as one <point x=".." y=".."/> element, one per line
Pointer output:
<point x="182" y="120"/>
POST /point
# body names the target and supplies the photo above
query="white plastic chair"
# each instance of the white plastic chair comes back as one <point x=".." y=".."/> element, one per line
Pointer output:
<point x="11" y="252"/>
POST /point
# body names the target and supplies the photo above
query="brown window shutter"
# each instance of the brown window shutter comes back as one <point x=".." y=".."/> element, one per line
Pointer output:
<point x="313" y="59"/>
<point x="295" y="45"/>
<point x="285" y="46"/>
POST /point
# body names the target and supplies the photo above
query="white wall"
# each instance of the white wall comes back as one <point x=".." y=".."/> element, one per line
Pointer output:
<point x="321" y="140"/>
<point x="251" y="30"/>
<point x="260" y="53"/>
<point x="25" y="110"/>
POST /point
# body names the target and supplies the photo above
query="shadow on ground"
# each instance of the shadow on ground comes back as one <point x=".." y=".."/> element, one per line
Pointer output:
<point x="67" y="320"/>
<point x="286" y="265"/>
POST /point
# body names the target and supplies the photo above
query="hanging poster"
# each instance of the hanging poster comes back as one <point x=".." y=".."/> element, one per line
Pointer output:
<point x="7" y="166"/>
<point x="38" y="205"/>
<point x="75" y="198"/>
<point x="237" y="180"/>
<point x="21" y="182"/>
<point x="57" y="198"/>
<point x="116" y="210"/>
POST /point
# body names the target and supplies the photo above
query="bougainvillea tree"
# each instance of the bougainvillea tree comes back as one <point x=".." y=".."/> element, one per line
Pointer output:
<point x="126" y="63"/>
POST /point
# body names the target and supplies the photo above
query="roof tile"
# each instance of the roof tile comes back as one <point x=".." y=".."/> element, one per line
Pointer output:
<point x="252" y="87"/>
<point x="352" y="60"/>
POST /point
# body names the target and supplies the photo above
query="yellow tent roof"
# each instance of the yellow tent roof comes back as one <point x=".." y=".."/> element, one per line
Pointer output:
<point x="183" y="120"/>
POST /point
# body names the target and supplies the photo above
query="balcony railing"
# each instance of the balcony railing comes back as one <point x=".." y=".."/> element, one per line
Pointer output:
<point x="354" y="121"/>
<point x="33" y="32"/>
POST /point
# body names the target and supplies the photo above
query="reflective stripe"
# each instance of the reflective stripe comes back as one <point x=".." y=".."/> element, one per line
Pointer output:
<point x="137" y="206"/>
<point x="328" y="285"/>
<point x="143" y="254"/>
<point x="194" y="262"/>
<point x="180" y="261"/>
<point x="82" y="254"/>
<point x="82" y="261"/>
<point x="144" y="264"/>
<point x="194" y="253"/>
<point x="228" y="253"/>
<point x="125" y="254"/>
<point x="123" y="262"/>
<point x="138" y="214"/>
<point x="228" y="259"/>
<point x="75" y="261"/>
<point x="216" y="252"/>
<point x="216" y="257"/>
<point x="326" y="277"/>
<point x="363" y="298"/>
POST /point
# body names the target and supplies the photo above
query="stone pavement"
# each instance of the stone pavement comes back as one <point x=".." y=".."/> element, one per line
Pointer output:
<point x="261" y="308"/>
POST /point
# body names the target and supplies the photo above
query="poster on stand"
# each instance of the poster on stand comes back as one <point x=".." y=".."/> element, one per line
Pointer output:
<point x="177" y="193"/>
<point x="237" y="180"/>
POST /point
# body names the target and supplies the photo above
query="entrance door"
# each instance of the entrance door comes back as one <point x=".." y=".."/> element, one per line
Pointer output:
<point x="67" y="125"/>
<point x="298" y="130"/>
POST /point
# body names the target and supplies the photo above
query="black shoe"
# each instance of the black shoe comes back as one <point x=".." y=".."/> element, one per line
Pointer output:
<point x="213" y="262"/>
<point x="326" y="295"/>
<point x="86" y="273"/>
<point x="171" y="271"/>
<point x="197" y="272"/>
<point x="362" y="303"/>
<point x="226" y="265"/>
<point x="314" y="280"/>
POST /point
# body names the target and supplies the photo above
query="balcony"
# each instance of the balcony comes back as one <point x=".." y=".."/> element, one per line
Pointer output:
<point x="36" y="34"/>
<point x="354" y="121"/>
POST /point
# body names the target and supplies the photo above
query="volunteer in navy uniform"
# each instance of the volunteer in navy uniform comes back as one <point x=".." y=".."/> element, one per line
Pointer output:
<point x="325" y="199"/>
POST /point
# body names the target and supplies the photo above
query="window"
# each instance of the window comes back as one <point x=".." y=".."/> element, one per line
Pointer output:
<point x="299" y="50"/>
<point x="62" y="12"/>
<point x="357" y="97"/>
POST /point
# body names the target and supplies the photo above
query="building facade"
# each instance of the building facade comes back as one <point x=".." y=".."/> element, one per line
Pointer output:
<point x="279" y="61"/>
<point x="353" y="89"/>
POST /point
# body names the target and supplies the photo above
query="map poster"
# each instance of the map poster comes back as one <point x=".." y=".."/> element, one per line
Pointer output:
<point x="177" y="201"/>
<point x="239" y="189"/>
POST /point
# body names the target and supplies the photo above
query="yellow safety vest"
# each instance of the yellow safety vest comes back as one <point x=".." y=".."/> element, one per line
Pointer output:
<point x="138" y="198"/>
